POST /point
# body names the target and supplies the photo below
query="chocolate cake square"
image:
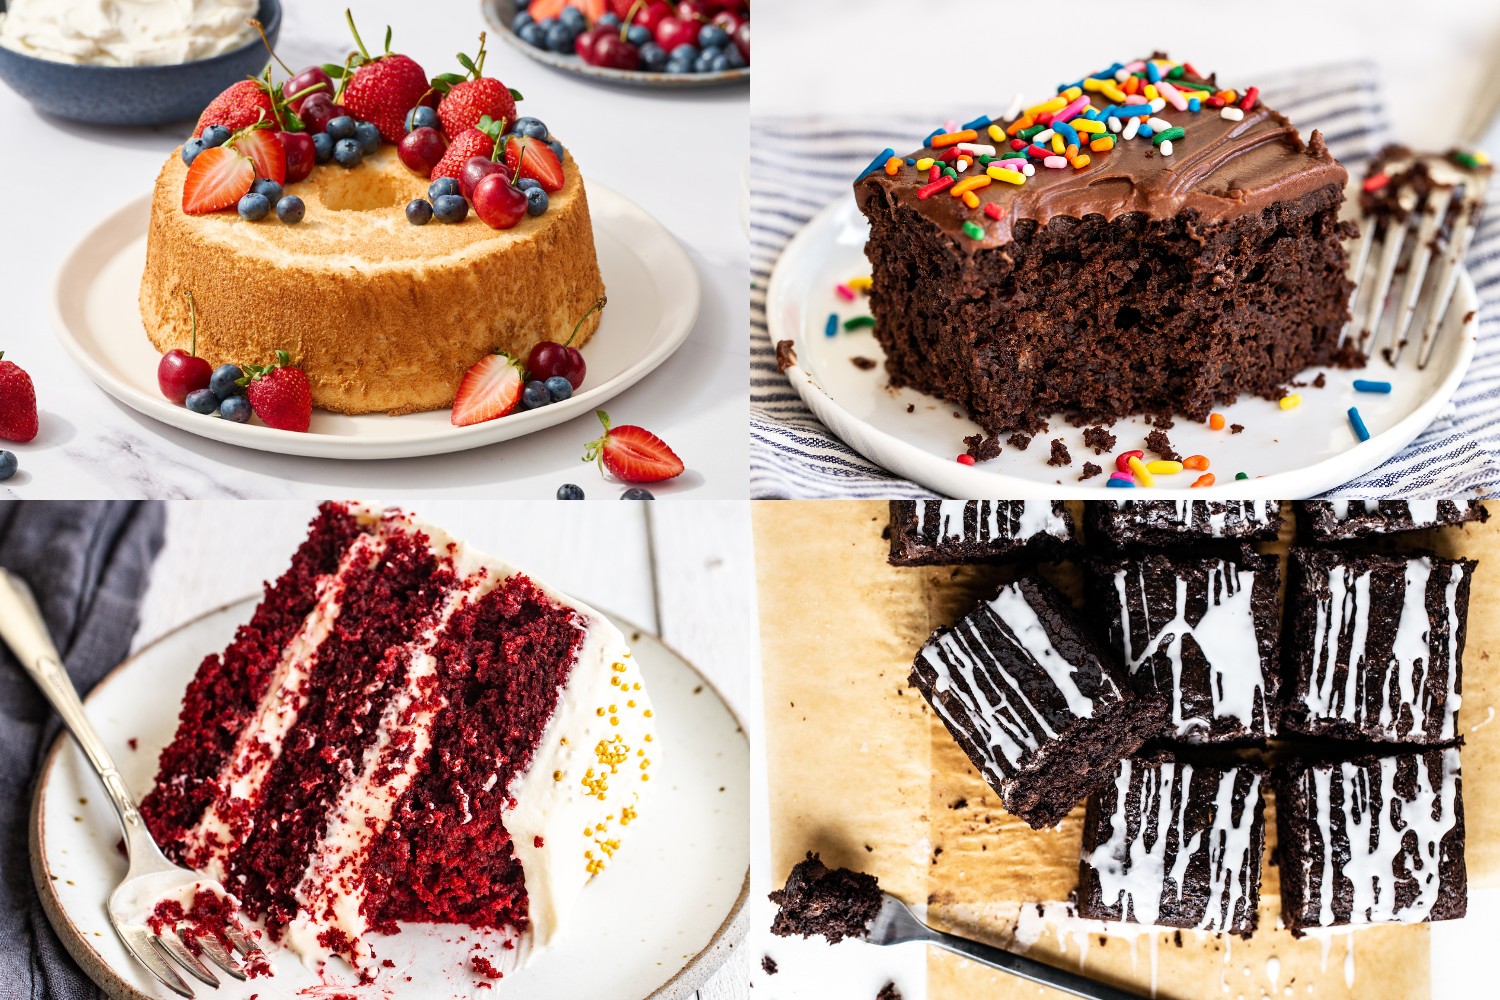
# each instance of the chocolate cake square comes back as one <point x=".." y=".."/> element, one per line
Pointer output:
<point x="1041" y="706"/>
<point x="955" y="532"/>
<point x="1122" y="524"/>
<point x="1372" y="840"/>
<point x="1374" y="646"/>
<point x="1175" y="844"/>
<point x="1146" y="240"/>
<point x="1201" y="631"/>
<point x="1346" y="520"/>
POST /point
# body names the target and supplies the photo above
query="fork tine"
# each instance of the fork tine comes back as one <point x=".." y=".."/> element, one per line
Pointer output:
<point x="242" y="943"/>
<point x="1447" y="276"/>
<point x="1433" y="213"/>
<point x="216" y="953"/>
<point x="1390" y="255"/>
<point x="139" y="944"/>
<point x="1357" y="275"/>
<point x="178" y="949"/>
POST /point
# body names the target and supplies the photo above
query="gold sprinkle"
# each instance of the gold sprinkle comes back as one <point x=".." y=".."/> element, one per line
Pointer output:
<point x="630" y="703"/>
<point x="645" y="764"/>
<point x="556" y="775"/>
<point x="648" y="737"/>
<point x="615" y="681"/>
<point x="599" y="712"/>
<point x="636" y="686"/>
<point x="588" y="854"/>
<point x="626" y="815"/>
<point x="613" y="710"/>
<point x="648" y="713"/>
<point x="645" y="777"/>
<point x="614" y="720"/>
<point x="588" y="831"/>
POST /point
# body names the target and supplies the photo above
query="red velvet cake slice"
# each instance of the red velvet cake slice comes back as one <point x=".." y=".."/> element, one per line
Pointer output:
<point x="406" y="731"/>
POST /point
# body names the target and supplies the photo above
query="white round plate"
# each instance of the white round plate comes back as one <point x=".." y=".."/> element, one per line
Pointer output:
<point x="656" y="924"/>
<point x="653" y="303"/>
<point x="1287" y="453"/>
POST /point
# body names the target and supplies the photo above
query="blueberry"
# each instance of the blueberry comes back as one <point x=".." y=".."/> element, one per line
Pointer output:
<point x="191" y="149"/>
<point x="419" y="212"/>
<point x="536" y="202"/>
<point x="557" y="149"/>
<point x="520" y="21"/>
<point x="560" y="38"/>
<point x="8" y="466"/>
<point x="529" y="128"/>
<point x="532" y="34"/>
<point x="638" y="34"/>
<point x="203" y="400"/>
<point x="235" y="409"/>
<point x="368" y="137"/>
<point x="685" y="52"/>
<point x="608" y="20"/>
<point x="720" y="63"/>
<point x="421" y="116"/>
<point x="254" y="207"/>
<point x="348" y="153"/>
<point x="636" y="493"/>
<point x="535" y="394"/>
<point x="567" y="491"/>
<point x="323" y="147"/>
<point x="559" y="388"/>
<point x="653" y="57"/>
<point x="573" y="19"/>
<point x="223" y="379"/>
<point x="290" y="210"/>
<point x="711" y="35"/>
<point x="706" y="59"/>
<point x="215" y="135"/>
<point x="267" y="187"/>
<point x="450" y="208"/>
<point x="341" y="127"/>
<point x="678" y="66"/>
<point x="527" y="183"/>
<point x="736" y="60"/>
<point x="442" y="186"/>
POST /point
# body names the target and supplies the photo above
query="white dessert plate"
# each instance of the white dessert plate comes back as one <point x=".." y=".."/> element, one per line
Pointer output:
<point x="653" y="302"/>
<point x="656" y="924"/>
<point x="1286" y="453"/>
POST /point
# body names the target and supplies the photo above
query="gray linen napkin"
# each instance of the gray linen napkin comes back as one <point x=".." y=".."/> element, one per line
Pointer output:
<point x="88" y="564"/>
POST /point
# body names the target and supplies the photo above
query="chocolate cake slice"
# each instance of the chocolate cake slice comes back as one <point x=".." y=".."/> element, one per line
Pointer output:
<point x="1174" y="844"/>
<point x="1345" y="520"/>
<point x="1371" y="840"/>
<point x="1202" y="632"/>
<point x="834" y="902"/>
<point x="953" y="532"/>
<point x="1040" y="705"/>
<point x="1374" y="646"/>
<point x="1146" y="240"/>
<point x="1123" y="524"/>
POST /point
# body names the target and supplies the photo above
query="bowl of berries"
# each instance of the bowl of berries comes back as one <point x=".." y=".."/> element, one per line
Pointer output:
<point x="652" y="43"/>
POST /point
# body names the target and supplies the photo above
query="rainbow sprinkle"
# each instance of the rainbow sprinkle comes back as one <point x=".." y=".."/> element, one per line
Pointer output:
<point x="1358" y="423"/>
<point x="831" y="328"/>
<point x="858" y="322"/>
<point x="1365" y="385"/>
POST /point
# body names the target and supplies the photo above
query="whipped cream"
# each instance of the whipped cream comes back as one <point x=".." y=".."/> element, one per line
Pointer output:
<point x="126" y="32"/>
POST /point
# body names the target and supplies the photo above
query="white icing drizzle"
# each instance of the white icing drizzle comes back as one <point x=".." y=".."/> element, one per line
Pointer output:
<point x="1386" y="834"/>
<point x="946" y="520"/>
<point x="1225" y="635"/>
<point x="1185" y="513"/>
<point x="1132" y="867"/>
<point x="1423" y="513"/>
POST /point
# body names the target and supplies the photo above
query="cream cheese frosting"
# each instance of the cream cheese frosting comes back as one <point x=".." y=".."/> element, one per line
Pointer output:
<point x="126" y="32"/>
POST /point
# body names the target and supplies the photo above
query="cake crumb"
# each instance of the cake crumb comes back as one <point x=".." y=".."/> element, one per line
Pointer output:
<point x="133" y="743"/>
<point x="888" y="992"/>
<point x="1090" y="470"/>
<point x="786" y="356"/>
<point x="1162" y="420"/>
<point x="1019" y="440"/>
<point x="1320" y="381"/>
<point x="863" y="363"/>
<point x="1100" y="439"/>
<point x="1157" y="444"/>
<point x="1236" y="428"/>
<point x="484" y="967"/>
<point x="911" y="407"/>
<point x="1060" y="455"/>
<point x="981" y="447"/>
<point x="768" y="965"/>
<point x="835" y="903"/>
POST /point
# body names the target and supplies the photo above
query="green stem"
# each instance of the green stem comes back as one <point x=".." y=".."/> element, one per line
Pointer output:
<point x="577" y="326"/>
<point x="260" y="28"/>
<point x="349" y="16"/>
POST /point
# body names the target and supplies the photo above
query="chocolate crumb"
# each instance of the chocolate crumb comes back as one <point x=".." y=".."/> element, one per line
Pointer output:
<point x="1321" y="380"/>
<point x="1468" y="317"/>
<point x="981" y="447"/>
<point x="888" y="992"/>
<point x="1162" y="419"/>
<point x="1157" y="444"/>
<point x="1090" y="470"/>
<point x="1236" y="428"/>
<point x="1020" y="440"/>
<point x="836" y="903"/>
<point x="768" y="964"/>
<point x="1100" y="439"/>
<point x="786" y="356"/>
<point x="911" y="407"/>
<point x="1060" y="454"/>
<point x="864" y="364"/>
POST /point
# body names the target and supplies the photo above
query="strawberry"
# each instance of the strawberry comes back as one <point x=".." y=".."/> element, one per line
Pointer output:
<point x="279" y="394"/>
<point x="218" y="178"/>
<point x="540" y="10"/>
<point x="538" y="162"/>
<point x="632" y="453"/>
<point x="264" y="150"/>
<point x="382" y="89"/>
<point x="240" y="106"/>
<point x="464" y="146"/>
<point x="17" y="403"/>
<point x="620" y="8"/>
<point x="467" y="99"/>
<point x="490" y="389"/>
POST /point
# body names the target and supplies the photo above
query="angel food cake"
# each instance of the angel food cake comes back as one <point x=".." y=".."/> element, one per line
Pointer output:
<point x="407" y="732"/>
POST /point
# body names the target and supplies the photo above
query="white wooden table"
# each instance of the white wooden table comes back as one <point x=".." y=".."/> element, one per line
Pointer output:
<point x="684" y="573"/>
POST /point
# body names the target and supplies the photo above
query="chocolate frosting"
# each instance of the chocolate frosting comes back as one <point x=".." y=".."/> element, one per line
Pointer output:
<point x="1219" y="169"/>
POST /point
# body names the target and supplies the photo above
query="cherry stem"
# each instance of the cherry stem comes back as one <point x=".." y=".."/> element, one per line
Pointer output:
<point x="630" y="16"/>
<point x="520" y="159"/>
<point x="349" y="16"/>
<point x="500" y="144"/>
<point x="310" y="88"/>
<point x="193" y="315"/>
<point x="255" y="23"/>
<point x="592" y="309"/>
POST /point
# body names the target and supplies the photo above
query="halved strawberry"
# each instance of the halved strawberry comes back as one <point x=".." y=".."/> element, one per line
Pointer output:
<point x="540" y="163"/>
<point x="218" y="178"/>
<point x="265" y="151"/>
<point x="492" y="388"/>
<point x="633" y="454"/>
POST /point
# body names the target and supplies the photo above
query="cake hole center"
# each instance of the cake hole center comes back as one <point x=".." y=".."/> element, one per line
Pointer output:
<point x="356" y="192"/>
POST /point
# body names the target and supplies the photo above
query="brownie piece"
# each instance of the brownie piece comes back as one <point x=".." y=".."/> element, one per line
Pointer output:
<point x="1374" y="645"/>
<point x="1041" y="706"/>
<point x="1222" y="257"/>
<point x="1175" y="844"/>
<point x="953" y="532"/>
<point x="1343" y="520"/>
<point x="888" y="992"/>
<point x="1371" y="840"/>
<point x="834" y="902"/>
<point x="1203" y="632"/>
<point x="1125" y="523"/>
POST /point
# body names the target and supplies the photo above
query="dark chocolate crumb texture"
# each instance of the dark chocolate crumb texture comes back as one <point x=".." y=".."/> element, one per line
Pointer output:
<point x="954" y="532"/>
<point x="1144" y="240"/>
<point x="834" y="902"/>
<point x="1345" y="520"/>
<point x="1178" y="523"/>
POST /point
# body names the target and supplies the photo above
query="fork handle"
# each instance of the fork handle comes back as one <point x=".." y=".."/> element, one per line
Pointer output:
<point x="25" y="632"/>
<point x="1030" y="969"/>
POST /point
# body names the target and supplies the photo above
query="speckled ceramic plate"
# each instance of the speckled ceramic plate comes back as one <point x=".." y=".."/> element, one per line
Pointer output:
<point x="1287" y="453"/>
<point x="656" y="924"/>
<point x="500" y="13"/>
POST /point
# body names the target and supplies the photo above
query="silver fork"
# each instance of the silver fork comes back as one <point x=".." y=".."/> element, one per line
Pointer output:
<point x="896" y="924"/>
<point x="151" y="878"/>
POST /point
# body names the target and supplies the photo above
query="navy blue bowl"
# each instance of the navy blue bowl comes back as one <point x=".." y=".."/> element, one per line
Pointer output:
<point x="135" y="95"/>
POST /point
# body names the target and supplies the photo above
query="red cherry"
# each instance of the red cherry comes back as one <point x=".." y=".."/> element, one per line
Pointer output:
<point x="421" y="149"/>
<point x="313" y="76"/>
<point x="616" y="53"/>
<point x="318" y="110"/>
<point x="548" y="359"/>
<point x="497" y="203"/>
<point x="301" y="155"/>
<point x="179" y="373"/>
<point x="584" y="44"/>
<point x="729" y="20"/>
<point x="742" y="40"/>
<point x="694" y="10"/>
<point x="650" y="15"/>
<point x="674" y="31"/>
<point x="476" y="169"/>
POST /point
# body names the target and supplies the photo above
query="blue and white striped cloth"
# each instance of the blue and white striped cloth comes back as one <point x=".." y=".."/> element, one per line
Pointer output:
<point x="799" y="165"/>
